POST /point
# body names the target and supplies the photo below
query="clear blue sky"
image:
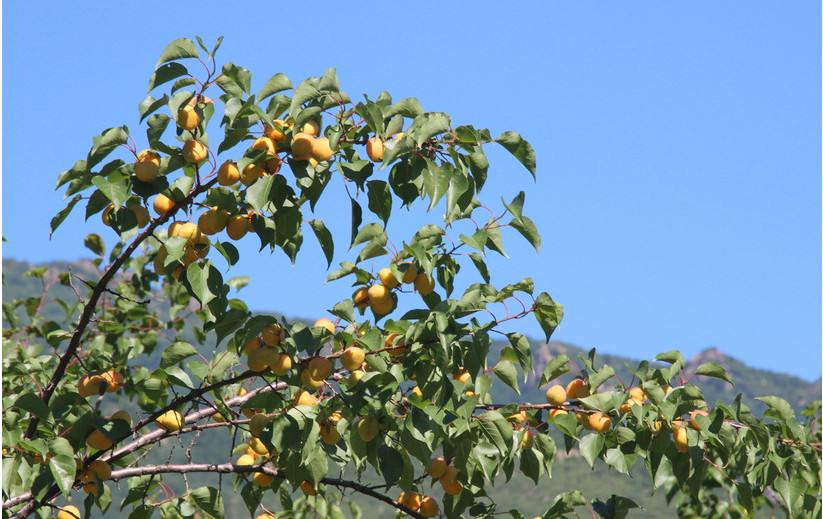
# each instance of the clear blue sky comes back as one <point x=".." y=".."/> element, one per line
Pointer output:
<point x="679" y="173"/>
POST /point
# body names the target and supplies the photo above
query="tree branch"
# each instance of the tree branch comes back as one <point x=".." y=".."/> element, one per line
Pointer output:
<point x="240" y="469"/>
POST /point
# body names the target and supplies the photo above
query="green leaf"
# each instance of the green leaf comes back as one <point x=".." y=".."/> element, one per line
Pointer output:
<point x="62" y="464"/>
<point x="238" y="282"/>
<point x="672" y="357"/>
<point x="258" y="194"/>
<point x="391" y="464"/>
<point x="531" y="464"/>
<point x="179" y="377"/>
<point x="556" y="367"/>
<point x="617" y="459"/>
<point x="548" y="313"/>
<point x="149" y="105"/>
<point x="115" y="187"/>
<point x="33" y="404"/>
<point x="105" y="143"/>
<point x="61" y="216"/>
<point x="178" y="49"/>
<point x="428" y="125"/>
<point x="617" y="507"/>
<point x="591" y="446"/>
<point x="95" y="243"/>
<point x="165" y="73"/>
<point x="228" y="251"/>
<point x="506" y="372"/>
<point x="408" y="107"/>
<point x="779" y="407"/>
<point x="205" y="281"/>
<point x="380" y="199"/>
<point x="521" y="150"/>
<point x="602" y="375"/>
<point x="564" y="504"/>
<point x="323" y="236"/>
<point x="604" y="401"/>
<point x="527" y="228"/>
<point x="176" y="352"/>
<point x="277" y="83"/>
<point x="480" y="264"/>
<point x="368" y="233"/>
<point x="234" y="80"/>
<point x="711" y="369"/>
<point x="208" y="500"/>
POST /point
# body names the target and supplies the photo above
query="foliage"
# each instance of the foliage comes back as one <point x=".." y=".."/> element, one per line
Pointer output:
<point x="371" y="389"/>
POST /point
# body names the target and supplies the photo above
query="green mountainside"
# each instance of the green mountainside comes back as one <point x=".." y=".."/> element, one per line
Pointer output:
<point x="570" y="471"/>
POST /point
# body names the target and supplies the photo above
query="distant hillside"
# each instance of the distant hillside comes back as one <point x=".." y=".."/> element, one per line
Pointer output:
<point x="748" y="381"/>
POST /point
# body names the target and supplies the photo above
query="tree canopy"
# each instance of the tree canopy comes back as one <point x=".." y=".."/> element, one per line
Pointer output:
<point x="366" y="390"/>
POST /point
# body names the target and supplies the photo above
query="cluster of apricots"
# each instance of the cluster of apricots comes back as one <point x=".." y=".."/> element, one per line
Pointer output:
<point x="256" y="451"/>
<point x="304" y="143"/>
<point x="264" y="351"/>
<point x="99" y="470"/>
<point x="444" y="473"/>
<point x="378" y="296"/>
<point x="97" y="384"/>
<point x="558" y="395"/>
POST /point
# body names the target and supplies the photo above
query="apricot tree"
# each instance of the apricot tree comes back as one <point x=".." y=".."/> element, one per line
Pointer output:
<point x="362" y="394"/>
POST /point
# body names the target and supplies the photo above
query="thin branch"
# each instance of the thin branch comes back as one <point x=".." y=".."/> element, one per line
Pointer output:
<point x="247" y="469"/>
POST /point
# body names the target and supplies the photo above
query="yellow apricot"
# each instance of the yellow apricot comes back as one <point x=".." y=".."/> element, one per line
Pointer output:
<point x="281" y="365"/>
<point x="681" y="439"/>
<point x="429" y="507"/>
<point x="308" y="488"/>
<point x="141" y="214"/>
<point x="98" y="440"/>
<point x="101" y="469"/>
<point x="194" y="151"/>
<point x="301" y="145"/>
<point x="212" y="221"/>
<point x="387" y="277"/>
<point x="368" y="428"/>
<point x="437" y="467"/>
<point x="237" y="226"/>
<point x="264" y="143"/>
<point x="374" y="149"/>
<point x="462" y="376"/>
<point x="353" y="358"/>
<point x="305" y="398"/>
<point x="600" y="422"/>
<point x="361" y="297"/>
<point x="275" y="132"/>
<point x="312" y="128"/>
<point x="188" y="118"/>
<point x="577" y="388"/>
<point x="321" y="149"/>
<point x="325" y="323"/>
<point x="526" y="440"/>
<point x="246" y="460"/>
<point x="162" y="204"/>
<point x="262" y="480"/>
<point x="556" y="394"/>
<point x="251" y="173"/>
<point x="424" y="284"/>
<point x="171" y="421"/>
<point x="91" y="385"/>
<point x="147" y="166"/>
<point x="69" y="512"/>
<point x="228" y="174"/>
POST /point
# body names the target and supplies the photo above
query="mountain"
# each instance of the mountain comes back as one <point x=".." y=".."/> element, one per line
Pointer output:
<point x="569" y="472"/>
